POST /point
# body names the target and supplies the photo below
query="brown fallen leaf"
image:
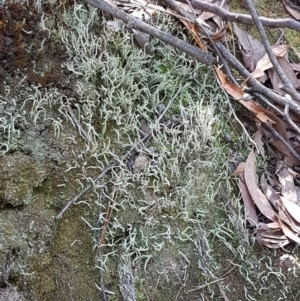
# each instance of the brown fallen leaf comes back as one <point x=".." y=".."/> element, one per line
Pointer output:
<point x="251" y="49"/>
<point x="288" y="70"/>
<point x="250" y="210"/>
<point x="292" y="8"/>
<point x="271" y="194"/>
<point x="289" y="233"/>
<point x="257" y="195"/>
<point x="288" y="189"/>
<point x="240" y="168"/>
<point x="237" y="93"/>
<point x="264" y="63"/>
<point x="285" y="217"/>
<point x="258" y="140"/>
<point x="271" y="235"/>
<point x="292" y="208"/>
<point x="279" y="126"/>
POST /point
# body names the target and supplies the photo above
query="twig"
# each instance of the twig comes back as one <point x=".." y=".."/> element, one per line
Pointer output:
<point x="267" y="102"/>
<point x="76" y="121"/>
<point x="245" y="19"/>
<point x="101" y="276"/>
<point x="195" y="52"/>
<point x="256" y="85"/>
<point x="116" y="164"/>
<point x="212" y="282"/>
<point x="107" y="218"/>
<point x="288" y="119"/>
<point x="84" y="191"/>
<point x="287" y="85"/>
<point x="278" y="136"/>
<point x="190" y="18"/>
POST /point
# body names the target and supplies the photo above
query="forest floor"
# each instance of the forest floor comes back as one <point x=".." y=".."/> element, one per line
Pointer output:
<point x="176" y="227"/>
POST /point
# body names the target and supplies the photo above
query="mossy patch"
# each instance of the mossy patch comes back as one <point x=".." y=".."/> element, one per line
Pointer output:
<point x="176" y="230"/>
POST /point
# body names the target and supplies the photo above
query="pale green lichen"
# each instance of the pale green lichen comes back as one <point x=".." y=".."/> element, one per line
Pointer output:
<point x="171" y="227"/>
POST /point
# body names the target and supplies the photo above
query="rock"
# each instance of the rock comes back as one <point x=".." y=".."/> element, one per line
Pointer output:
<point x="141" y="163"/>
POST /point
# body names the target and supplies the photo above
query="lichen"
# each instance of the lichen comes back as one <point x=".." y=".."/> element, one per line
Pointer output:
<point x="176" y="225"/>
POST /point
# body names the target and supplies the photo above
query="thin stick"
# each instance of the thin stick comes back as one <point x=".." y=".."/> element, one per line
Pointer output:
<point x="193" y="51"/>
<point x="76" y="121"/>
<point x="191" y="18"/>
<point x="212" y="282"/>
<point x="107" y="218"/>
<point x="244" y="19"/>
<point x="256" y="85"/>
<point x="288" y="119"/>
<point x="288" y="87"/>
<point x="116" y="164"/>
<point x="277" y="135"/>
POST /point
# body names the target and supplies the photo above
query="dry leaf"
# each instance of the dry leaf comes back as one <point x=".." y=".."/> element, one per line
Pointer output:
<point x="265" y="64"/>
<point x="288" y="189"/>
<point x="250" y="210"/>
<point x="237" y="93"/>
<point x="240" y="168"/>
<point x="251" y="49"/>
<point x="271" y="194"/>
<point x="292" y="9"/>
<point x="289" y="233"/>
<point x="292" y="208"/>
<point x="271" y="235"/>
<point x="258" y="140"/>
<point x="258" y="197"/>
<point x="288" y="70"/>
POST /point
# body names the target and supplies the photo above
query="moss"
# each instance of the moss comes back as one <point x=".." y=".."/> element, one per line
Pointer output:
<point x="172" y="223"/>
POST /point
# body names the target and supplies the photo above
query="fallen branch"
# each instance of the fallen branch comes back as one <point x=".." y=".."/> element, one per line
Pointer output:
<point x="287" y="85"/>
<point x="131" y="22"/>
<point x="116" y="164"/>
<point x="278" y="136"/>
<point x="288" y="119"/>
<point x="256" y="86"/>
<point x="191" y="18"/>
<point x="245" y="19"/>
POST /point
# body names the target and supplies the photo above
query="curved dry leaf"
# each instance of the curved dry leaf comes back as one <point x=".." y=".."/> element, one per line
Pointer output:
<point x="237" y="93"/>
<point x="289" y="233"/>
<point x="240" y="168"/>
<point x="250" y="210"/>
<point x="288" y="70"/>
<point x="290" y="7"/>
<point x="258" y="197"/>
<point x="271" y="235"/>
<point x="278" y="124"/>
<point x="288" y="189"/>
<point x="258" y="140"/>
<point x="270" y="192"/>
<point x="252" y="50"/>
<point x="292" y="208"/>
<point x="264" y="63"/>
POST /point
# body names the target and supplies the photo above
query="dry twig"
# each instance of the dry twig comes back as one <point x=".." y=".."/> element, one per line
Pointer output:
<point x="255" y="84"/>
<point x="287" y="85"/>
<point x="76" y="121"/>
<point x="245" y="19"/>
<point x="131" y="22"/>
